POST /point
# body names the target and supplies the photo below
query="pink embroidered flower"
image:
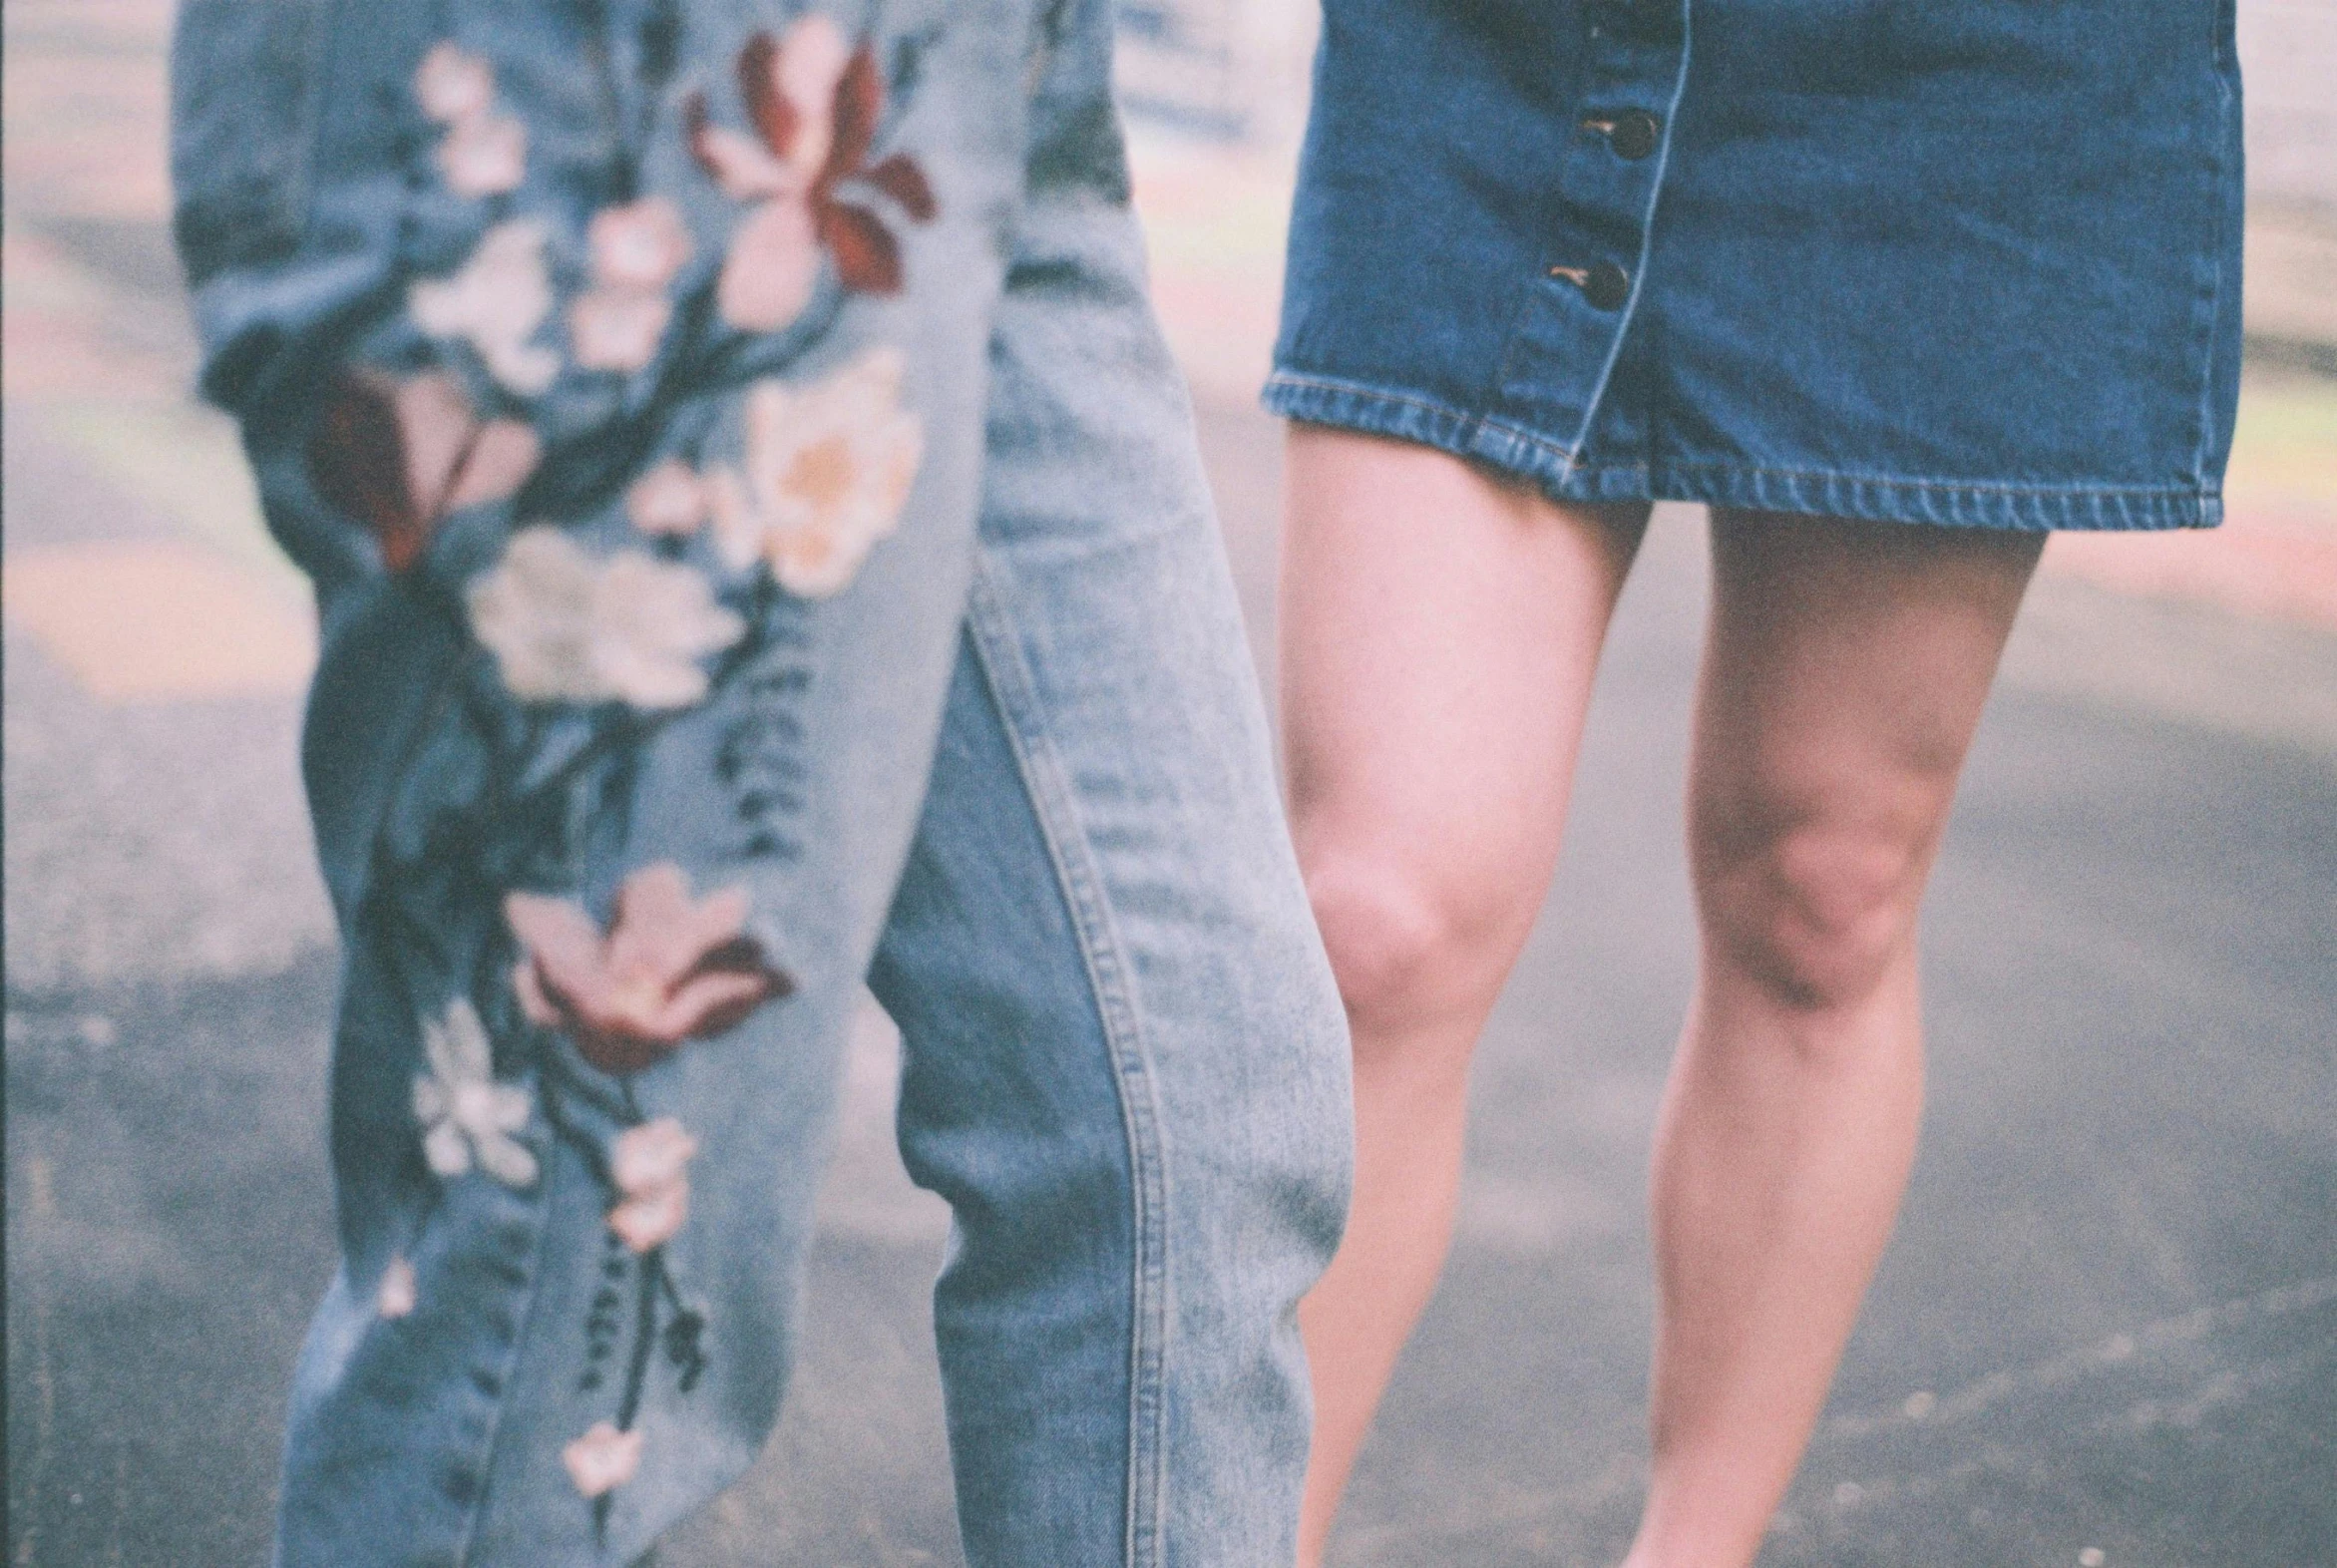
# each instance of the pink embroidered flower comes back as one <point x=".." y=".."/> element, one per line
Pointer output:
<point x="636" y="249"/>
<point x="486" y="155"/>
<point x="789" y="87"/>
<point x="867" y="257"/>
<point x="650" y="1165"/>
<point x="668" y="500"/>
<point x="602" y="1459"/>
<point x="483" y="152"/>
<point x="814" y="103"/>
<point x="399" y="455"/>
<point x="742" y="166"/>
<point x="452" y="84"/>
<point x="828" y="468"/>
<point x="773" y="262"/>
<point x="618" y="328"/>
<point x="496" y="301"/>
<point x="639" y="245"/>
<point x="670" y="968"/>
<point x="396" y="1296"/>
<point x="503" y="455"/>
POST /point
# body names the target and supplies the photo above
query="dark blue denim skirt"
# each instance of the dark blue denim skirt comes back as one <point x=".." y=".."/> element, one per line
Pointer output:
<point x="1972" y="263"/>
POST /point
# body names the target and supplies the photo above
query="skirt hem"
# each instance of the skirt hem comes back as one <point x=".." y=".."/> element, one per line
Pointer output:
<point x="1527" y="454"/>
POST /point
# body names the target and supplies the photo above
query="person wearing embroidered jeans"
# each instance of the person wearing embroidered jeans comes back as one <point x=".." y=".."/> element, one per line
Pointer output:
<point x="1894" y="289"/>
<point x="760" y="544"/>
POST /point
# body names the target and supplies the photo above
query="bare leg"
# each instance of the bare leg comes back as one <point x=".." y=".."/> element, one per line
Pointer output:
<point x="1439" y="633"/>
<point x="1845" y="673"/>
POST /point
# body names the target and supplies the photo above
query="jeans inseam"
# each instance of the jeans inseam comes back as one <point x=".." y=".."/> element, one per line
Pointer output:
<point x="998" y="651"/>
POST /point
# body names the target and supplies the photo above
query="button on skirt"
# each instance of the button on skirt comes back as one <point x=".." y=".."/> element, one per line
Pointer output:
<point x="1970" y="264"/>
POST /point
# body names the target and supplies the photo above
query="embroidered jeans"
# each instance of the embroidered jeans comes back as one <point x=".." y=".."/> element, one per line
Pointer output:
<point x="760" y="546"/>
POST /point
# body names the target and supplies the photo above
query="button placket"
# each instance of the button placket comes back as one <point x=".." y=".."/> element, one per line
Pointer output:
<point x="1633" y="134"/>
<point x="1602" y="284"/>
<point x="1558" y="362"/>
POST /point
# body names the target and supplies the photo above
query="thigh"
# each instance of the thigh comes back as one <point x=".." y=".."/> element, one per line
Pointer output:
<point x="1845" y="676"/>
<point x="1440" y="633"/>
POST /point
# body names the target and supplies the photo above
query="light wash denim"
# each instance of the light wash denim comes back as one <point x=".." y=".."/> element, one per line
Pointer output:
<point x="760" y="544"/>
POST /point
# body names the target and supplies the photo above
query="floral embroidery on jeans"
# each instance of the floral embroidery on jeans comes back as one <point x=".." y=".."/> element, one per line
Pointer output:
<point x="466" y="1114"/>
<point x="570" y="364"/>
<point x="637" y="250"/>
<point x="670" y="968"/>
<point x="399" y="454"/>
<point x="482" y="152"/>
<point x="828" y="468"/>
<point x="565" y="628"/>
<point x="815" y="107"/>
<point x="650" y="1166"/>
<point x="602" y="1459"/>
<point x="496" y="301"/>
<point x="395" y="1296"/>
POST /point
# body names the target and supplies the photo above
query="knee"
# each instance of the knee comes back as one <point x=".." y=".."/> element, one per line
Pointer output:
<point x="1812" y="908"/>
<point x="1405" y="951"/>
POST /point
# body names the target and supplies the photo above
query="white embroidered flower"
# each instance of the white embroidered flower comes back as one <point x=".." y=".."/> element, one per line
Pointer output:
<point x="485" y="155"/>
<point x="452" y="84"/>
<point x="467" y="1116"/>
<point x="602" y="1459"/>
<point x="564" y="627"/>
<point x="668" y="500"/>
<point x="396" y="1297"/>
<point x="496" y="301"/>
<point x="650" y="1165"/>
<point x="828" y="468"/>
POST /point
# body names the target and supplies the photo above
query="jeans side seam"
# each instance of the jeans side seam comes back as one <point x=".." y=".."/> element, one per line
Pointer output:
<point x="540" y="1205"/>
<point x="998" y="652"/>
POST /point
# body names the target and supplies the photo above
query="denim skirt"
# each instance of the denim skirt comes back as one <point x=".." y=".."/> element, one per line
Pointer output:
<point x="1974" y="265"/>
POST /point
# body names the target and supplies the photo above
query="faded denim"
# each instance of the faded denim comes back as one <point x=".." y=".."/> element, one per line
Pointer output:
<point x="647" y="725"/>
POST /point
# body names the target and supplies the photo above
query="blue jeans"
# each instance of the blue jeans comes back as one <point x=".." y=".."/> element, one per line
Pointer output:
<point x="760" y="546"/>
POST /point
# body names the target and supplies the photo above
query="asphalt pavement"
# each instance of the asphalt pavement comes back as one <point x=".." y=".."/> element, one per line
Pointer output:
<point x="2106" y="1335"/>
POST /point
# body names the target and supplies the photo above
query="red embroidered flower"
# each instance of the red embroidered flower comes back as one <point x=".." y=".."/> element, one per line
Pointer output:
<point x="814" y="110"/>
<point x="671" y="968"/>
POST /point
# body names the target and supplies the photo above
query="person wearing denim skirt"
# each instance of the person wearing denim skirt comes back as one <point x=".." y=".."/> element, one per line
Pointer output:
<point x="760" y="544"/>
<point x="1894" y="288"/>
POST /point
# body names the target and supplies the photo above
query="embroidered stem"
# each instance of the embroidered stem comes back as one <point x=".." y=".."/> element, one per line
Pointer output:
<point x="644" y="1340"/>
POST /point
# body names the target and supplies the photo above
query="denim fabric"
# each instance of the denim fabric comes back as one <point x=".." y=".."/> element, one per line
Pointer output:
<point x="1971" y="264"/>
<point x="760" y="546"/>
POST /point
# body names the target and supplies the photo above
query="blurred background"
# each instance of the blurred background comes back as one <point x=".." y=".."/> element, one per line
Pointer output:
<point x="2106" y="1336"/>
